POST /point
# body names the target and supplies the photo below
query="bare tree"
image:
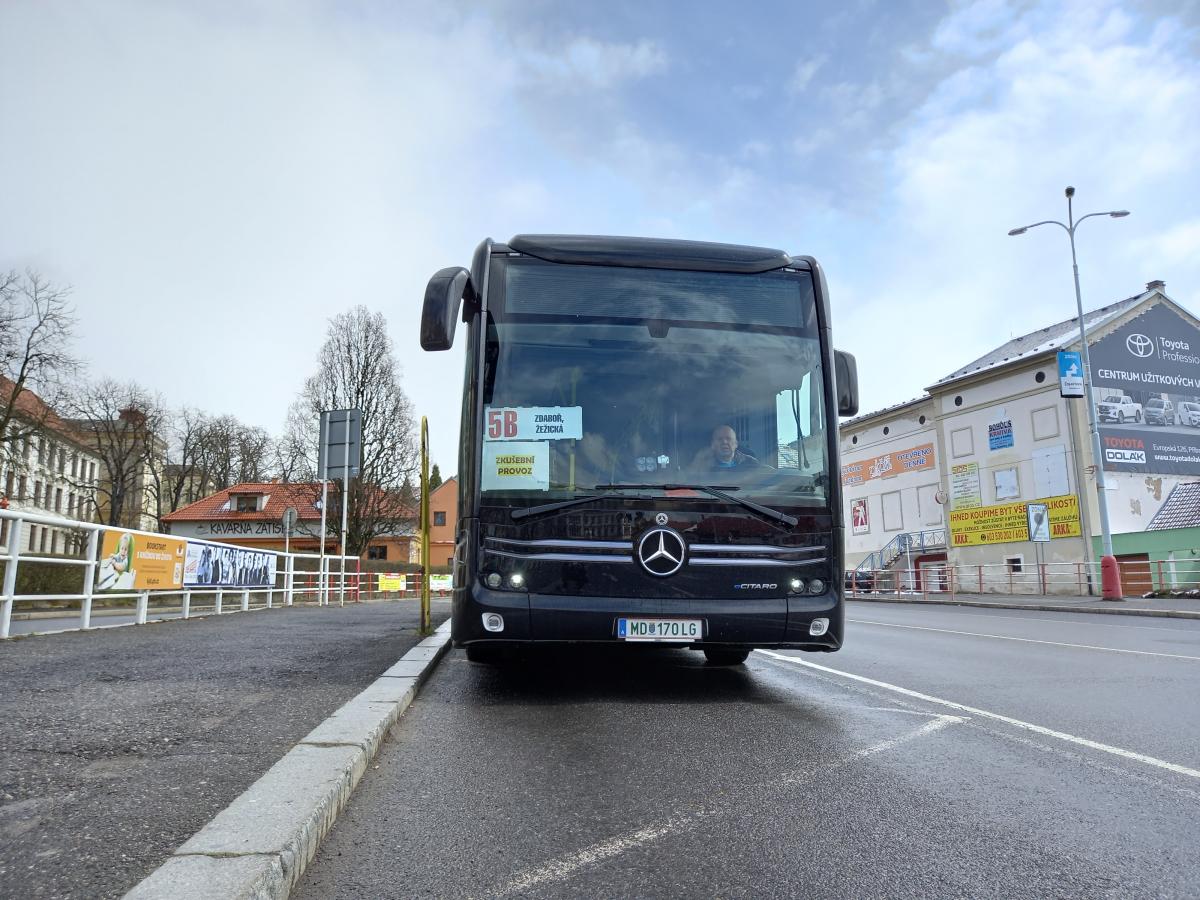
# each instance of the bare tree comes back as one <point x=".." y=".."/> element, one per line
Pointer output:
<point x="357" y="369"/>
<point x="125" y="425"/>
<point x="36" y="361"/>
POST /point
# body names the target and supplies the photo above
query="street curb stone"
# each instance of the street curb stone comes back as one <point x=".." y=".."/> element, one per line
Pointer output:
<point x="1108" y="611"/>
<point x="258" y="847"/>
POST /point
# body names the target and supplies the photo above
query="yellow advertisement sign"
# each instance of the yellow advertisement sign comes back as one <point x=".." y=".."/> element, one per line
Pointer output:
<point x="140" y="562"/>
<point x="391" y="582"/>
<point x="1007" y="522"/>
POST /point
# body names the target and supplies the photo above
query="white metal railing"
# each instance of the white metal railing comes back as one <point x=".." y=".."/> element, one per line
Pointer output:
<point x="329" y="579"/>
<point x="1171" y="578"/>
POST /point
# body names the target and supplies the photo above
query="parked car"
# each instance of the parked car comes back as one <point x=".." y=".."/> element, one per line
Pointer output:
<point x="1159" y="411"/>
<point x="1189" y="413"/>
<point x="1118" y="408"/>
<point x="859" y="582"/>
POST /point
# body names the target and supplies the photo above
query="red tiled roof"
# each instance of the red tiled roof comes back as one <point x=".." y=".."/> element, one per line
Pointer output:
<point x="30" y="407"/>
<point x="281" y="495"/>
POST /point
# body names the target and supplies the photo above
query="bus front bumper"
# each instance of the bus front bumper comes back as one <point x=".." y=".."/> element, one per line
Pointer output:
<point x="767" y="622"/>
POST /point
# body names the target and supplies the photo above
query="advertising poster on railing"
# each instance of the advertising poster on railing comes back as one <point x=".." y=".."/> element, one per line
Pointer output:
<point x="212" y="566"/>
<point x="1007" y="523"/>
<point x="139" y="562"/>
<point x="391" y="581"/>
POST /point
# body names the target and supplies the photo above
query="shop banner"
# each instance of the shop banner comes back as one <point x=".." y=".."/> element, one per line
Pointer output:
<point x="1147" y="378"/>
<point x="1010" y="522"/>
<point x="964" y="486"/>
<point x="859" y="517"/>
<point x="914" y="459"/>
<point x="1000" y="435"/>
<point x="211" y="566"/>
<point x="139" y="562"/>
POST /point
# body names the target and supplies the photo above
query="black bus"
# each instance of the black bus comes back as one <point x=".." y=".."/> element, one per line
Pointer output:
<point x="649" y="447"/>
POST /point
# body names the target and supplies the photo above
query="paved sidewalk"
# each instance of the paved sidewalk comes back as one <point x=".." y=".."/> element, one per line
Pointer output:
<point x="117" y="745"/>
<point x="1171" y="607"/>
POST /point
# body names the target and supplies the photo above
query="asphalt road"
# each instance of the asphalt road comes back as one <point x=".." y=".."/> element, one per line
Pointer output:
<point x="117" y="745"/>
<point x="945" y="752"/>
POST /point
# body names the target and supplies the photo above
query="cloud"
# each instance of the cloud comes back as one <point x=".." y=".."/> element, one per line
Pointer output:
<point x="1083" y="102"/>
<point x="803" y="74"/>
<point x="586" y="63"/>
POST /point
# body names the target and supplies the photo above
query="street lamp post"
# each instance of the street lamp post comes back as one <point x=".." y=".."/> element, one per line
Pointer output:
<point x="1110" y="576"/>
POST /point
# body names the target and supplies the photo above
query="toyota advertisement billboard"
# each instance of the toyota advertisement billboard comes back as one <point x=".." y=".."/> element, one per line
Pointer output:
<point x="1146" y="376"/>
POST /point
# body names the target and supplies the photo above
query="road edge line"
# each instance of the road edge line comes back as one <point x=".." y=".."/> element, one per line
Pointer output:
<point x="983" y="604"/>
<point x="260" y="844"/>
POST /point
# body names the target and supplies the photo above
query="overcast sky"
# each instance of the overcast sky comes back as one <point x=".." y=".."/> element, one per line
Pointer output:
<point x="217" y="179"/>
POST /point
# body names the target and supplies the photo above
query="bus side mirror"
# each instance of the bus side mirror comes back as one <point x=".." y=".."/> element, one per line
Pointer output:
<point x="443" y="295"/>
<point x="846" y="379"/>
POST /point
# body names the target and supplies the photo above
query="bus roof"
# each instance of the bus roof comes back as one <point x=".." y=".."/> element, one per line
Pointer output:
<point x="651" y="253"/>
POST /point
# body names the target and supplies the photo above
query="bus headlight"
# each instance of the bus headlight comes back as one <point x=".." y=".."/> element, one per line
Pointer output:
<point x="516" y="580"/>
<point x="816" y="586"/>
<point x="493" y="580"/>
<point x="797" y="585"/>
<point x="818" y="627"/>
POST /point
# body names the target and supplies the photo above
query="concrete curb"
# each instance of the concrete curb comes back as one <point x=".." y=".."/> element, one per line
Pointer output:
<point x="259" y="846"/>
<point x="1043" y="607"/>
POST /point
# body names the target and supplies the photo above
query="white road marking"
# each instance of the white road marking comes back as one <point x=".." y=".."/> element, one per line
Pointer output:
<point x="1033" y="615"/>
<point x="566" y="866"/>
<point x="1004" y="637"/>
<point x="1008" y="720"/>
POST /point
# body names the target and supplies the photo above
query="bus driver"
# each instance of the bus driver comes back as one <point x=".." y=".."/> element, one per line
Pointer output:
<point x="724" y="453"/>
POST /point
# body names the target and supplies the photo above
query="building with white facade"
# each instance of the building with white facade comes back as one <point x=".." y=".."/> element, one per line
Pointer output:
<point x="946" y="479"/>
<point x="47" y="468"/>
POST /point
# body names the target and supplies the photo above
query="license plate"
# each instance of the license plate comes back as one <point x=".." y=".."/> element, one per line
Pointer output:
<point x="659" y="629"/>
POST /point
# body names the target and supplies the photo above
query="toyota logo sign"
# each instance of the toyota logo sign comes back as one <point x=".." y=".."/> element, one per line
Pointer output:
<point x="661" y="551"/>
<point x="1139" y="345"/>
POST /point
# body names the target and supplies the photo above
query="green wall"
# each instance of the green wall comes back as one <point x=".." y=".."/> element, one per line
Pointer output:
<point x="1184" y="543"/>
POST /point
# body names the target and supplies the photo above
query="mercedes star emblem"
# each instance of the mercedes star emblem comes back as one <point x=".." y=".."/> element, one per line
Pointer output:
<point x="661" y="551"/>
<point x="661" y="518"/>
<point x="1140" y="345"/>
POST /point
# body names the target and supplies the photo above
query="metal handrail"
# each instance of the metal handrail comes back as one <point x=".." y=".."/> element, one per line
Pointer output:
<point x="327" y="578"/>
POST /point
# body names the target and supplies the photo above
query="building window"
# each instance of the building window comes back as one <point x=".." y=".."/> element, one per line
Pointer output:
<point x="9" y="480"/>
<point x="62" y="460"/>
<point x="22" y="487"/>
<point x="41" y="451"/>
<point x="377" y="551"/>
<point x="92" y="472"/>
<point x="450" y="562"/>
<point x="74" y="465"/>
<point x="37" y="493"/>
<point x="58" y="499"/>
<point x="1016" y="564"/>
<point x="32" y="537"/>
<point x="54" y="542"/>
<point x="439" y="518"/>
<point x="247" y="504"/>
<point x="44" y="541"/>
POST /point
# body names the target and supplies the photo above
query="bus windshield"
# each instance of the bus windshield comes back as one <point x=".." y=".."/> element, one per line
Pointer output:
<point x="601" y="375"/>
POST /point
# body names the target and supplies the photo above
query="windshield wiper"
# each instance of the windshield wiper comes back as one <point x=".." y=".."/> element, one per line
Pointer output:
<point x="773" y="514"/>
<point x="574" y="501"/>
